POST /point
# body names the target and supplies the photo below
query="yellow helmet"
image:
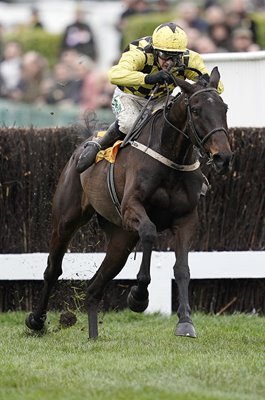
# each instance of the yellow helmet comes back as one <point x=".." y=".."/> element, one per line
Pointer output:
<point x="169" y="37"/>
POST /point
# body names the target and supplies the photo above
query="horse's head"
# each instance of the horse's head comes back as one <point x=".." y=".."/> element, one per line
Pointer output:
<point x="206" y="120"/>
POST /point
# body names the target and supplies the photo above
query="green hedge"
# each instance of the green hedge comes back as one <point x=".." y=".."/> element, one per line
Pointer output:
<point x="259" y="18"/>
<point x="48" y="44"/>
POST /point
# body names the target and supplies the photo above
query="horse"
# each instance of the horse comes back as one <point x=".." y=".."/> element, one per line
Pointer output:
<point x="155" y="185"/>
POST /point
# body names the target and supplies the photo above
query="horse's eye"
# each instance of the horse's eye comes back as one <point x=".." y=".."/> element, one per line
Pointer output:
<point x="194" y="111"/>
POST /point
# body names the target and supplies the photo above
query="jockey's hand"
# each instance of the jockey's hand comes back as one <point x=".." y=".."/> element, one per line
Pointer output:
<point x="158" y="77"/>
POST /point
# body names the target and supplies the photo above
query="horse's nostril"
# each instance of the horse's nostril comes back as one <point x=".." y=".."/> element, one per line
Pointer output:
<point x="220" y="158"/>
<point x="222" y="162"/>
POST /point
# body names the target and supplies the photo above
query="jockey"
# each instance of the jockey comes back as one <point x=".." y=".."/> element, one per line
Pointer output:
<point x="143" y="65"/>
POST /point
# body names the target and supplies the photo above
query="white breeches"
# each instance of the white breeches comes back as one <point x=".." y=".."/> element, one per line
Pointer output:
<point x="127" y="107"/>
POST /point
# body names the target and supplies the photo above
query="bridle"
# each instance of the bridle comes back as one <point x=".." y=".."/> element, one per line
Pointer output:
<point x="196" y="140"/>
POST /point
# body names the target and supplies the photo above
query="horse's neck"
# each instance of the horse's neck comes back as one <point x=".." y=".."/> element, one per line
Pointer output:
<point x="174" y="143"/>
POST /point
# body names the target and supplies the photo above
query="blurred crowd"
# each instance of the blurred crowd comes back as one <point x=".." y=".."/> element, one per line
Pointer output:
<point x="74" y="80"/>
<point x="214" y="26"/>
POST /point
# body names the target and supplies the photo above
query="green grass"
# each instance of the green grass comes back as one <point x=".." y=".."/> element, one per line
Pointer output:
<point x="136" y="357"/>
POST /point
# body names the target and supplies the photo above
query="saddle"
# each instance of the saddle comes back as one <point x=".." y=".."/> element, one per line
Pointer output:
<point x="110" y="153"/>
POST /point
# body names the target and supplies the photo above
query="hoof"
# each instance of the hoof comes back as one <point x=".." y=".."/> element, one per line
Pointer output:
<point x="35" y="324"/>
<point x="135" y="304"/>
<point x="185" y="329"/>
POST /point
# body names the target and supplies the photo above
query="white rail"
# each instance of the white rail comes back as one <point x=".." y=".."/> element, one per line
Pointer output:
<point x="80" y="266"/>
<point x="244" y="80"/>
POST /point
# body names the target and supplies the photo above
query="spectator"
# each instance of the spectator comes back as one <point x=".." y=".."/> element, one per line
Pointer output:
<point x="215" y="14"/>
<point x="10" y="68"/>
<point x="237" y="16"/>
<point x="242" y="41"/>
<point x="131" y="7"/>
<point x="162" y="6"/>
<point x="193" y="36"/>
<point x="71" y="58"/>
<point x="106" y="91"/>
<point x="35" y="21"/>
<point x="205" y="44"/>
<point x="33" y="73"/>
<point x="79" y="36"/>
<point x="95" y="90"/>
<point x="220" y="34"/>
<point x="64" y="90"/>
<point x="188" y="17"/>
<point x="208" y="3"/>
<point x="1" y="42"/>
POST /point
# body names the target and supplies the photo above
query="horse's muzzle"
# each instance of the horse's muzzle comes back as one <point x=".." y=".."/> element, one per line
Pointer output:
<point x="223" y="162"/>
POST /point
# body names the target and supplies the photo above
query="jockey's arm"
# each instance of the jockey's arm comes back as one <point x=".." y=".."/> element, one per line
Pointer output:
<point x="196" y="61"/>
<point x="128" y="70"/>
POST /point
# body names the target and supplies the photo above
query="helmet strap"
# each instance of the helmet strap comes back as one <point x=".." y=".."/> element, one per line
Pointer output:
<point x="156" y="57"/>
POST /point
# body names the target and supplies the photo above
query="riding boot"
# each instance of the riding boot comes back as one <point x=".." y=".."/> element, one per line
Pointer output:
<point x="91" y="148"/>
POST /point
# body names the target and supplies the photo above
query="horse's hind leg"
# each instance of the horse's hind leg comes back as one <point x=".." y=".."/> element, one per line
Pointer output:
<point x="120" y="245"/>
<point x="183" y="232"/>
<point x="58" y="246"/>
<point x="67" y="218"/>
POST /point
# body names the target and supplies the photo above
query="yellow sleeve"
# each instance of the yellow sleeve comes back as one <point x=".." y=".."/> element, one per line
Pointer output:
<point x="196" y="61"/>
<point x="127" y="71"/>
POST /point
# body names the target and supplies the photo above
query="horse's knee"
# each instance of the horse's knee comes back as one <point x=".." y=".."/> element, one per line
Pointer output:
<point x="181" y="272"/>
<point x="147" y="232"/>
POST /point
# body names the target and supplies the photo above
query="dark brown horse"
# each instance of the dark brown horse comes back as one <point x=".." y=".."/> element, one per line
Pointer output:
<point x="158" y="183"/>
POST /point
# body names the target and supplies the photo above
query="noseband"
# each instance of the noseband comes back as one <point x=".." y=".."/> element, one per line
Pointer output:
<point x="198" y="142"/>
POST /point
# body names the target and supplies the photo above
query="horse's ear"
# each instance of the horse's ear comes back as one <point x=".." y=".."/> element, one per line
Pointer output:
<point x="214" y="78"/>
<point x="185" y="86"/>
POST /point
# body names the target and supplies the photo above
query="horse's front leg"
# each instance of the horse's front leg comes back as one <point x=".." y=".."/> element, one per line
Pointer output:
<point x="120" y="244"/>
<point x="135" y="218"/>
<point x="183" y="231"/>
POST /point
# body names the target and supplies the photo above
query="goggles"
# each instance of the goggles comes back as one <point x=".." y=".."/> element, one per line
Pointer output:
<point x="169" y="56"/>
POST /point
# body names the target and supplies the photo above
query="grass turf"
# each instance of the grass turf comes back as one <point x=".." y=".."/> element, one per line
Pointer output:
<point x="136" y="357"/>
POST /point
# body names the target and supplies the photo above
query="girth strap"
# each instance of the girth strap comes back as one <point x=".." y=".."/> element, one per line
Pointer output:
<point x="164" y="160"/>
<point x="112" y="190"/>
